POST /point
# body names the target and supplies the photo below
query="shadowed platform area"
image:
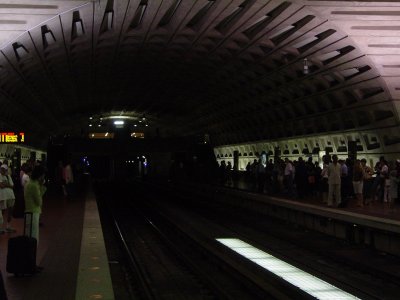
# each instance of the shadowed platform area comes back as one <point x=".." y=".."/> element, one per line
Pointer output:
<point x="61" y="252"/>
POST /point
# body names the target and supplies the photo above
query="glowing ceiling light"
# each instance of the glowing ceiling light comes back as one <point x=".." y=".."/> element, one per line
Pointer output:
<point x="106" y="134"/>
<point x="119" y="122"/>
<point x="90" y="125"/>
<point x="120" y="117"/>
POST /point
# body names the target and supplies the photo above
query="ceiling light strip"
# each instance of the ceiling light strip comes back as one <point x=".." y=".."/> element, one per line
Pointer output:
<point x="312" y="285"/>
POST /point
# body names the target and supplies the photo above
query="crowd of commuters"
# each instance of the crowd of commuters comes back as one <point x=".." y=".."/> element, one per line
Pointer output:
<point x="334" y="183"/>
<point x="24" y="189"/>
<point x="18" y="186"/>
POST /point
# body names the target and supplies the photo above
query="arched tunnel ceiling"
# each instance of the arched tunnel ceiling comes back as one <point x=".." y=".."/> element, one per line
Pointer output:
<point x="231" y="68"/>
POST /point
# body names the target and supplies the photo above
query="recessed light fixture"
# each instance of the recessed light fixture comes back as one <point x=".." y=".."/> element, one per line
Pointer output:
<point x="119" y="122"/>
<point x="90" y="125"/>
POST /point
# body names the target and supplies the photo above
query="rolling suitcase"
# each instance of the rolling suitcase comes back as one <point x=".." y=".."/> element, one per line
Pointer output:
<point x="21" y="255"/>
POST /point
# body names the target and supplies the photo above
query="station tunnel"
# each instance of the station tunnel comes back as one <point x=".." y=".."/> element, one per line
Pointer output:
<point x="250" y="76"/>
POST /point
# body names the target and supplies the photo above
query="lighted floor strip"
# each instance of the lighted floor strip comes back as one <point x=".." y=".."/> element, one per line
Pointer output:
<point x="310" y="284"/>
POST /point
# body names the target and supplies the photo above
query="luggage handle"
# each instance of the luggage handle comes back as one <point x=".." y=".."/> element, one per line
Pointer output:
<point x="31" y="229"/>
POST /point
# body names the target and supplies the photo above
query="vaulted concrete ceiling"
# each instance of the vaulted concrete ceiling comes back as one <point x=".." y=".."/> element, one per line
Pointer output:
<point x="231" y="68"/>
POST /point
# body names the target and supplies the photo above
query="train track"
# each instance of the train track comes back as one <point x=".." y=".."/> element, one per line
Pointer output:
<point x="168" y="262"/>
<point x="320" y="255"/>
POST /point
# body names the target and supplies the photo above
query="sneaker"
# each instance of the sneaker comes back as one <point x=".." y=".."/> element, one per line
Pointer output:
<point x="10" y="229"/>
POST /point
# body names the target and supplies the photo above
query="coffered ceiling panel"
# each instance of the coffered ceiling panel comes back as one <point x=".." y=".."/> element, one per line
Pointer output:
<point x="238" y="70"/>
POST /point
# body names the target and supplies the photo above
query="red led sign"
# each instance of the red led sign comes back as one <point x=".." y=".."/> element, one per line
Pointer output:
<point x="11" y="137"/>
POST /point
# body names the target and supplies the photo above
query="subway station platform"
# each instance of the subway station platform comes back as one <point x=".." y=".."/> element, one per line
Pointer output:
<point x="71" y="250"/>
<point x="372" y="209"/>
<point x="376" y="225"/>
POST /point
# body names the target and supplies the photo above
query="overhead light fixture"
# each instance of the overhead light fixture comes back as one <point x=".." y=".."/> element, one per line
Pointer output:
<point x="90" y="118"/>
<point x="147" y="125"/>
<point x="119" y="122"/>
<point x="90" y="125"/>
<point x="106" y="134"/>
<point x="120" y="117"/>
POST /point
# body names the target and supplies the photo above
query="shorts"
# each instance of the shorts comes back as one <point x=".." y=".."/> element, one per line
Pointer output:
<point x="358" y="187"/>
<point x="4" y="204"/>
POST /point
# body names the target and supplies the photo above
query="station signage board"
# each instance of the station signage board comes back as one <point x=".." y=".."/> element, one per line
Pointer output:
<point x="12" y="137"/>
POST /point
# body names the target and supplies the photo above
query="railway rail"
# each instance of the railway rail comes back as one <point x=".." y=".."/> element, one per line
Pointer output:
<point x="171" y="234"/>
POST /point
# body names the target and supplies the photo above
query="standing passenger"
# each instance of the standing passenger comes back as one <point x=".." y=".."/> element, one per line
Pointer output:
<point x="368" y="180"/>
<point x="334" y="181"/>
<point x="344" y="180"/>
<point x="26" y="176"/>
<point x="33" y="194"/>
<point x="394" y="187"/>
<point x="324" y="186"/>
<point x="261" y="176"/>
<point x="68" y="178"/>
<point x="7" y="198"/>
<point x="289" y="176"/>
<point x="358" y="176"/>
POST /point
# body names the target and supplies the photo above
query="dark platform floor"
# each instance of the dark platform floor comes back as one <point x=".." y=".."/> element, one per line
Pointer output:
<point x="66" y="246"/>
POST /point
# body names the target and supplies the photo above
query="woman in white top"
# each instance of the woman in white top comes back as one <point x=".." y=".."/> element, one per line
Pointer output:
<point x="7" y="197"/>
<point x="26" y="176"/>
